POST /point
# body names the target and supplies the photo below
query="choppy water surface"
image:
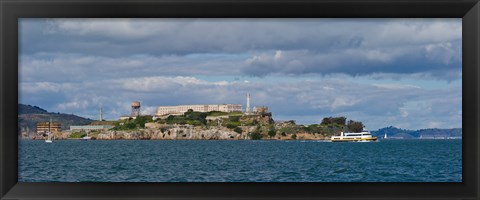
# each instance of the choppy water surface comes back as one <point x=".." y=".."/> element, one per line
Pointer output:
<point x="240" y="161"/>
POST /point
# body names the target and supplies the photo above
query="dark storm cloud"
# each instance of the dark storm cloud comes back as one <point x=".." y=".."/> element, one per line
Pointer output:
<point x="441" y="61"/>
<point x="353" y="47"/>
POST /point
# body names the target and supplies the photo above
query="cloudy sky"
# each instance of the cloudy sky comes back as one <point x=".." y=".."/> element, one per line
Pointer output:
<point x="400" y="72"/>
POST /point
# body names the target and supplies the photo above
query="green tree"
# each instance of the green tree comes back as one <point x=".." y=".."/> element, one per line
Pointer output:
<point x="340" y="120"/>
<point x="333" y="120"/>
<point x="170" y="118"/>
<point x="190" y="115"/>
<point x="77" y="135"/>
<point x="237" y="129"/>
<point x="234" y="118"/>
<point x="294" y="136"/>
<point x="354" y="126"/>
<point x="271" y="133"/>
<point x="231" y="126"/>
<point x="255" y="136"/>
<point x="141" y="120"/>
<point x="194" y="122"/>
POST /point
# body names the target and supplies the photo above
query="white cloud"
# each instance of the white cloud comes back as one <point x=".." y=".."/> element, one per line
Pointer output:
<point x="111" y="28"/>
<point x="397" y="86"/>
<point x="68" y="67"/>
<point x="73" y="105"/>
<point x="444" y="52"/>
<point x="434" y="124"/>
<point x="41" y="87"/>
<point x="377" y="55"/>
<point x="413" y="107"/>
<point x="344" y="101"/>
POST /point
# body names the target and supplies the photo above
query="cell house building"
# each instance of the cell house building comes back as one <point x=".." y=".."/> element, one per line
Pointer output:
<point x="181" y="109"/>
<point x="90" y="128"/>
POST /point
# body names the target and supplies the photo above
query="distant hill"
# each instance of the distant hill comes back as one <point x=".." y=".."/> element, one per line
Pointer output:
<point x="394" y="132"/>
<point x="428" y="133"/>
<point x="29" y="116"/>
<point x="28" y="109"/>
<point x="391" y="130"/>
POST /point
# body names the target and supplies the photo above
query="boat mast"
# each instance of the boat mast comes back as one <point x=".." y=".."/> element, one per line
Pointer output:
<point x="49" y="129"/>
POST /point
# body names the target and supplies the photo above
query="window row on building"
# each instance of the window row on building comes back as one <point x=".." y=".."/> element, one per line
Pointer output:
<point x="44" y="127"/>
<point x="90" y="127"/>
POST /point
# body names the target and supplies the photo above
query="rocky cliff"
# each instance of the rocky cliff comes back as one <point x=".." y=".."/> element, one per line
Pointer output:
<point x="176" y="132"/>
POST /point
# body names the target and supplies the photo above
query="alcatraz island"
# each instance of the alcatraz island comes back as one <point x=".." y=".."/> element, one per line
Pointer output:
<point x="185" y="122"/>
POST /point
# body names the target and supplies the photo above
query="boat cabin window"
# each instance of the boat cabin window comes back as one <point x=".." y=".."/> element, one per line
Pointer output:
<point x="354" y="135"/>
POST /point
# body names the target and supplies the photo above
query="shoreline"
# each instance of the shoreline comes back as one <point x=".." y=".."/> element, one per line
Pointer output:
<point x="174" y="140"/>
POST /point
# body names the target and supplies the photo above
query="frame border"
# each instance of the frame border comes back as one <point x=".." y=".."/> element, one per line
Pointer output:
<point x="12" y="10"/>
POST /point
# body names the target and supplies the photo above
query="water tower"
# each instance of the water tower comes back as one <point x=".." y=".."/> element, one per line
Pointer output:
<point x="135" y="108"/>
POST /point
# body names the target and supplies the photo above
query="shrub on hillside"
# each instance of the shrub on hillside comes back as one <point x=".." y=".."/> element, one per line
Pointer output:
<point x="237" y="129"/>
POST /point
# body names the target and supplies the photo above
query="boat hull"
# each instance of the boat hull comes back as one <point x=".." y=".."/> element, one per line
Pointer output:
<point x="372" y="139"/>
<point x="86" y="138"/>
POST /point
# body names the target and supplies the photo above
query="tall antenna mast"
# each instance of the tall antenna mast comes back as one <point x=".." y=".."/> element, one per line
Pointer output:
<point x="247" y="110"/>
<point x="101" y="113"/>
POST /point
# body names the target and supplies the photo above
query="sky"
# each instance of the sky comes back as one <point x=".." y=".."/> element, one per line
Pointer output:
<point x="383" y="72"/>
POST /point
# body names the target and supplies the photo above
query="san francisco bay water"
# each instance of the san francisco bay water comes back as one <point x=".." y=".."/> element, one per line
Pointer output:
<point x="240" y="161"/>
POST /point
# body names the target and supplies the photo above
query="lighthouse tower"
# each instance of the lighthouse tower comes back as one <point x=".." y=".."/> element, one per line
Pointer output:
<point x="247" y="110"/>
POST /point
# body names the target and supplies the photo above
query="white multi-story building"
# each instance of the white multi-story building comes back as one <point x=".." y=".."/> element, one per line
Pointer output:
<point x="180" y="109"/>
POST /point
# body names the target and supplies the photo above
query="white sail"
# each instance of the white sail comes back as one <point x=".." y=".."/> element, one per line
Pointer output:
<point x="86" y="137"/>
<point x="49" y="133"/>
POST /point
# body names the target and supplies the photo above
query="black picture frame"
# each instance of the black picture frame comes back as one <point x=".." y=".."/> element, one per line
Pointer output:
<point x="12" y="10"/>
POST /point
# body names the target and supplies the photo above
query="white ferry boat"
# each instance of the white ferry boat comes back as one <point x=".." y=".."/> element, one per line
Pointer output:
<point x="364" y="136"/>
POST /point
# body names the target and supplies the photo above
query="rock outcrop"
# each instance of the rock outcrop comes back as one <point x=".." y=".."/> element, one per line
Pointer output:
<point x="175" y="132"/>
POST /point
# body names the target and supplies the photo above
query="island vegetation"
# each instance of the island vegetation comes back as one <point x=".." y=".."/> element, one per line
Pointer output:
<point x="254" y="126"/>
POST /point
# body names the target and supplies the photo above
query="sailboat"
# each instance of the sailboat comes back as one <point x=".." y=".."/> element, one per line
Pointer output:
<point x="86" y="137"/>
<point x="385" y="136"/>
<point x="49" y="139"/>
<point x="50" y="136"/>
